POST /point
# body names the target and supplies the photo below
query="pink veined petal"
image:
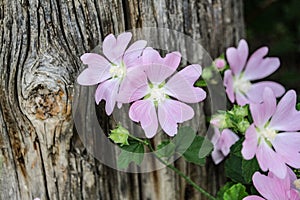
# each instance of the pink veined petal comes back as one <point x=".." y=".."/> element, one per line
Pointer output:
<point x="286" y="117"/>
<point x="216" y="136"/>
<point x="241" y="99"/>
<point x="268" y="159"/>
<point x="90" y="76"/>
<point x="144" y="111"/>
<point x="237" y="57"/>
<point x="261" y="113"/>
<point x="181" y="86"/>
<point x="158" y="69"/>
<point x="133" y="52"/>
<point x="134" y="86"/>
<point x="227" y="139"/>
<point x="228" y="83"/>
<point x="250" y="143"/>
<point x="172" y="60"/>
<point x="294" y="194"/>
<point x="95" y="61"/>
<point x="288" y="146"/>
<point x="268" y="187"/>
<point x="253" y="197"/>
<point x="217" y="156"/>
<point x="259" y="67"/>
<point x="255" y="93"/>
<point x="171" y="112"/>
<point x="108" y="91"/>
<point x="114" y="48"/>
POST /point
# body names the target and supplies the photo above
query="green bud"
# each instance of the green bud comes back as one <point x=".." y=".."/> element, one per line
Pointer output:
<point x="119" y="135"/>
<point x="219" y="120"/>
<point x="207" y="73"/>
<point x="240" y="111"/>
<point x="243" y="125"/>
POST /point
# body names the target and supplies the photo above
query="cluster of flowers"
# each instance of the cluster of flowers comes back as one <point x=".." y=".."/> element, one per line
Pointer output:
<point x="140" y="76"/>
<point x="158" y="95"/>
<point x="273" y="137"/>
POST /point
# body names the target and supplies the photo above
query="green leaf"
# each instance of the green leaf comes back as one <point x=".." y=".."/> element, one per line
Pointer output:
<point x="200" y="83"/>
<point x="249" y="167"/>
<point x="193" y="152"/>
<point x="223" y="189"/>
<point x="165" y="149"/>
<point x="134" y="152"/>
<point x="183" y="139"/>
<point x="298" y="106"/>
<point x="235" y="192"/>
<point x="119" y="135"/>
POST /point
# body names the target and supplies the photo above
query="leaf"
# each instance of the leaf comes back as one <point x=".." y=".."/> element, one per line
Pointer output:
<point x="298" y="106"/>
<point x="192" y="153"/>
<point x="249" y="167"/>
<point x="223" y="189"/>
<point x="134" y="152"/>
<point x="235" y="192"/>
<point x="183" y="139"/>
<point x="165" y="149"/>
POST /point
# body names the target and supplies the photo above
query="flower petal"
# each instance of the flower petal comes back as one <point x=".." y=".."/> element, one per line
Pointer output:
<point x="133" y="52"/>
<point x="114" y="48"/>
<point x="108" y="91"/>
<point x="227" y="139"/>
<point x="259" y="67"/>
<point x="144" y="111"/>
<point x="261" y="113"/>
<point x="228" y="83"/>
<point x="97" y="71"/>
<point x="286" y="117"/>
<point x="253" y="197"/>
<point x="181" y="86"/>
<point x="255" y="93"/>
<point x="241" y="99"/>
<point x="134" y="86"/>
<point x="171" y="112"/>
<point x="268" y="187"/>
<point x="250" y="144"/>
<point x="237" y="57"/>
<point x="268" y="159"/>
<point x="217" y="156"/>
<point x="288" y="146"/>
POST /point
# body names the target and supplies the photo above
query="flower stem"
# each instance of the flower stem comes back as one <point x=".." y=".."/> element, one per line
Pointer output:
<point x="177" y="171"/>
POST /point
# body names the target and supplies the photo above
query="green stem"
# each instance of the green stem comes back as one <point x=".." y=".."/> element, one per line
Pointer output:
<point x="177" y="171"/>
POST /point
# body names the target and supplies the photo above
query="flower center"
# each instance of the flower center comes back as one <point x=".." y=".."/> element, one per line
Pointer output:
<point x="241" y="85"/>
<point x="268" y="134"/>
<point x="297" y="184"/>
<point x="117" y="71"/>
<point x="157" y="93"/>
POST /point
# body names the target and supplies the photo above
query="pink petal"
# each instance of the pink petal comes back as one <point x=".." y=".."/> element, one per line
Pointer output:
<point x="237" y="57"/>
<point x="159" y="69"/>
<point x="250" y="144"/>
<point x="268" y="159"/>
<point x="261" y="113"/>
<point x="144" y="111"/>
<point x="288" y="146"/>
<point x="217" y="156"/>
<point x="97" y="71"/>
<point x="108" y="91"/>
<point x="268" y="187"/>
<point x="134" y="86"/>
<point x="133" y="52"/>
<point x="227" y="139"/>
<point x="181" y="86"/>
<point x="228" y="83"/>
<point x="286" y="117"/>
<point x="294" y="194"/>
<point x="259" y="67"/>
<point x="241" y="99"/>
<point x="216" y="136"/>
<point x="171" y="112"/>
<point x="114" y="48"/>
<point x="253" y="197"/>
<point x="255" y="93"/>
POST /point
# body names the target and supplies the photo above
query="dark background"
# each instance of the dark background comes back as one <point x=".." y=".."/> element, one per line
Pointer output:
<point x="276" y="24"/>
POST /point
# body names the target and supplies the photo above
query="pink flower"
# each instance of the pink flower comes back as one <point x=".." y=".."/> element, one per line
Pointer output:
<point x="222" y="143"/>
<point x="274" y="188"/>
<point x="151" y="91"/>
<point x="273" y="137"/>
<point x="220" y="63"/>
<point x="238" y="79"/>
<point x="110" y="73"/>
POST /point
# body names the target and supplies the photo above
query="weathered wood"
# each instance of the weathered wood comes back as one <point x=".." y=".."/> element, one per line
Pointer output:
<point x="41" y="42"/>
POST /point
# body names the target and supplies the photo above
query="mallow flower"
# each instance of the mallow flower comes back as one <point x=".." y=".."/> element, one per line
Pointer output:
<point x="222" y="142"/>
<point x="274" y="188"/>
<point x="237" y="79"/>
<point x="272" y="137"/>
<point x="110" y="71"/>
<point x="159" y="95"/>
